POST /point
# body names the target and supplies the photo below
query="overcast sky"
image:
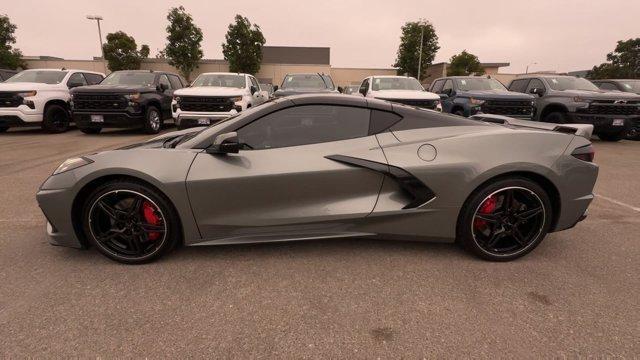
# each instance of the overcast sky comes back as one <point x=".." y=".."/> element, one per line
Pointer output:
<point x="559" y="35"/>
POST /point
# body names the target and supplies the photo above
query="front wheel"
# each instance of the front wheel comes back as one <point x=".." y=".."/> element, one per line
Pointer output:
<point x="56" y="119"/>
<point x="130" y="222"/>
<point x="555" y="117"/>
<point x="152" y="120"/>
<point x="505" y="220"/>
<point x="633" y="134"/>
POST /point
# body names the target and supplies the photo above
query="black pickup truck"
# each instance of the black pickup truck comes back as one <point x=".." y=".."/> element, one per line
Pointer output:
<point x="125" y="99"/>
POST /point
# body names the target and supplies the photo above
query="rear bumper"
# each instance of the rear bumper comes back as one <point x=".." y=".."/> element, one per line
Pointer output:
<point x="111" y="120"/>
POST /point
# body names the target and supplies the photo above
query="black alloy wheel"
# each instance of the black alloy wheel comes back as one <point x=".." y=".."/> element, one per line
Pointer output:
<point x="130" y="223"/>
<point x="56" y="119"/>
<point x="505" y="220"/>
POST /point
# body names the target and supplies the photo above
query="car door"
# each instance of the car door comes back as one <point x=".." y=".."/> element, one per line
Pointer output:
<point x="166" y="96"/>
<point x="447" y="102"/>
<point x="282" y="183"/>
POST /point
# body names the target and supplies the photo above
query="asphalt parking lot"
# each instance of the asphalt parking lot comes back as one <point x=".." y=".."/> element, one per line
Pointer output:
<point x="576" y="295"/>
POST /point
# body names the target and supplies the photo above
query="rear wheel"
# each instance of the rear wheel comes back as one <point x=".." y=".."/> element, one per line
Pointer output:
<point x="130" y="222"/>
<point x="555" y="117"/>
<point x="91" y="130"/>
<point x="56" y="119"/>
<point x="153" y="120"/>
<point x="617" y="136"/>
<point x="505" y="220"/>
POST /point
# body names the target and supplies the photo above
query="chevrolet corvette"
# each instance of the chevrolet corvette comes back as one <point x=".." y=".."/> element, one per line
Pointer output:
<point x="327" y="166"/>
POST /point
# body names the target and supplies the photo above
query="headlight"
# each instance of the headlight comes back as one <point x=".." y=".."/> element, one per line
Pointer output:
<point x="71" y="164"/>
<point x="25" y="94"/>
<point x="133" y="97"/>
<point x="580" y="99"/>
<point x="236" y="98"/>
<point x="474" y="101"/>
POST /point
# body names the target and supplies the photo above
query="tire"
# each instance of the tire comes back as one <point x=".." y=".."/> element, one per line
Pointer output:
<point x="91" y="130"/>
<point x="152" y="120"/>
<point x="3" y="129"/>
<point x="459" y="112"/>
<point x="477" y="234"/>
<point x="613" y="137"/>
<point x="555" y="117"/>
<point x="129" y="243"/>
<point x="632" y="134"/>
<point x="56" y="119"/>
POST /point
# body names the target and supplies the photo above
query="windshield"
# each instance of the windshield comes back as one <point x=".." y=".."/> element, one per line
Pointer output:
<point x="220" y="80"/>
<point x="303" y="81"/>
<point x="396" y="83"/>
<point x="479" y="84"/>
<point x="129" y="78"/>
<point x="570" y="83"/>
<point x="38" y="76"/>
<point x="631" y="86"/>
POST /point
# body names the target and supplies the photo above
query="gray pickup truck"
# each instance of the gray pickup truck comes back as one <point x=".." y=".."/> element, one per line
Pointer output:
<point x="566" y="99"/>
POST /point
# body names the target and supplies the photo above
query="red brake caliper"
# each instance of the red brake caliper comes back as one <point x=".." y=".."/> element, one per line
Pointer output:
<point x="151" y="218"/>
<point x="487" y="207"/>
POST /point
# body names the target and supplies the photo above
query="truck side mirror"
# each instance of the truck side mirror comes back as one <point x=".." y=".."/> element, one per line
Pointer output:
<point x="253" y="89"/>
<point x="275" y="88"/>
<point x="537" y="91"/>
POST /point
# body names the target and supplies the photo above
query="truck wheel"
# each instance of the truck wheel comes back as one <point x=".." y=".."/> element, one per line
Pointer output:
<point x="3" y="128"/>
<point x="459" y="112"/>
<point x="633" y="134"/>
<point x="56" y="119"/>
<point x="612" y="136"/>
<point x="91" y="130"/>
<point x="152" y="120"/>
<point x="555" y="117"/>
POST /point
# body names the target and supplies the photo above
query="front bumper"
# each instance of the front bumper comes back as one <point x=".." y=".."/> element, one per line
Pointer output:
<point x="111" y="120"/>
<point x="604" y="123"/>
<point x="186" y="119"/>
<point x="56" y="205"/>
<point x="20" y="116"/>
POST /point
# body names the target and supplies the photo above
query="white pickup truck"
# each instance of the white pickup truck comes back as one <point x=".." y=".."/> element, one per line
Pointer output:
<point x="40" y="97"/>
<point x="215" y="96"/>
<point x="400" y="89"/>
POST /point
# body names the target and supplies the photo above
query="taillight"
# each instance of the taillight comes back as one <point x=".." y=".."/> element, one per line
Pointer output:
<point x="584" y="153"/>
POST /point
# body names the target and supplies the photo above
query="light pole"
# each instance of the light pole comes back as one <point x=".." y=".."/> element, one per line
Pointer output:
<point x="527" y="70"/>
<point x="422" y="23"/>
<point x="97" y="18"/>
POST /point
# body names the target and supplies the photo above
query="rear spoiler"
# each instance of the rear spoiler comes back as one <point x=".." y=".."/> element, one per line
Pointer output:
<point x="584" y="130"/>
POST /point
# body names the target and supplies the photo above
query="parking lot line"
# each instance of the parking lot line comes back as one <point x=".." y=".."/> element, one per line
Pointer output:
<point x="634" y="208"/>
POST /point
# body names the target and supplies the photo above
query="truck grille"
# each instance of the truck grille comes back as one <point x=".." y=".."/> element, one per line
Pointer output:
<point x="9" y="99"/>
<point x="610" y="108"/>
<point x="507" y="107"/>
<point x="205" y="104"/>
<point x="104" y="102"/>
<point x="425" y="104"/>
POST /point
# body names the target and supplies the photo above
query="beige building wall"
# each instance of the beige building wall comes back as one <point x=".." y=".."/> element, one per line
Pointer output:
<point x="89" y="65"/>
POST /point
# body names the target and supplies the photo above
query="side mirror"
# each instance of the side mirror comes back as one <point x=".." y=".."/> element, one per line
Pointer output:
<point x="537" y="91"/>
<point x="253" y="89"/>
<point x="340" y="89"/>
<point x="275" y="88"/>
<point x="447" y="92"/>
<point x="443" y="96"/>
<point x="162" y="87"/>
<point x="72" y="85"/>
<point x="225" y="144"/>
<point x="363" y="91"/>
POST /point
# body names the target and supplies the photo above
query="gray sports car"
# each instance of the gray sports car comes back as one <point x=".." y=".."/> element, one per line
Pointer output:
<point x="328" y="166"/>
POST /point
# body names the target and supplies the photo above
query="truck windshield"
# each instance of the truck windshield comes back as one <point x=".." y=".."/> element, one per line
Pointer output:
<point x="571" y="83"/>
<point x="396" y="83"/>
<point x="220" y="80"/>
<point x="129" y="78"/>
<point x="303" y="81"/>
<point x="631" y="86"/>
<point x="38" y="76"/>
<point x="479" y="84"/>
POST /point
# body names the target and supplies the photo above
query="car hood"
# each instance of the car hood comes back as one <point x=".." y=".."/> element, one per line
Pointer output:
<point x="209" y="91"/>
<point x="599" y="95"/>
<point x="27" y="86"/>
<point x="113" y="88"/>
<point x="288" y="92"/>
<point x="404" y="94"/>
<point x="495" y="94"/>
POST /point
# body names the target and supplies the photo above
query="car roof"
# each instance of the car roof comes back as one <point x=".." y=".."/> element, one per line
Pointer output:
<point x="223" y="73"/>
<point x="615" y="80"/>
<point x="69" y="70"/>
<point x="545" y="76"/>
<point x="149" y="71"/>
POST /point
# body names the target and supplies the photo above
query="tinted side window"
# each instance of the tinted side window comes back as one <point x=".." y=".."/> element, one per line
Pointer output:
<point x="302" y="125"/>
<point x="437" y="86"/>
<point x="382" y="120"/>
<point x="93" y="79"/>
<point x="77" y="78"/>
<point x="447" y="85"/>
<point x="175" y="82"/>
<point x="421" y="119"/>
<point x="254" y="82"/>
<point x="365" y="86"/>
<point x="163" y="80"/>
<point x="519" y="85"/>
<point x="535" y="83"/>
<point x="607" y="86"/>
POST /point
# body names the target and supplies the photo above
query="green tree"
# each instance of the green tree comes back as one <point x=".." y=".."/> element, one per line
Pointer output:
<point x="183" y="48"/>
<point x="121" y="52"/>
<point x="243" y="49"/>
<point x="409" y="50"/>
<point x="10" y="57"/>
<point x="622" y="63"/>
<point x="464" y="64"/>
